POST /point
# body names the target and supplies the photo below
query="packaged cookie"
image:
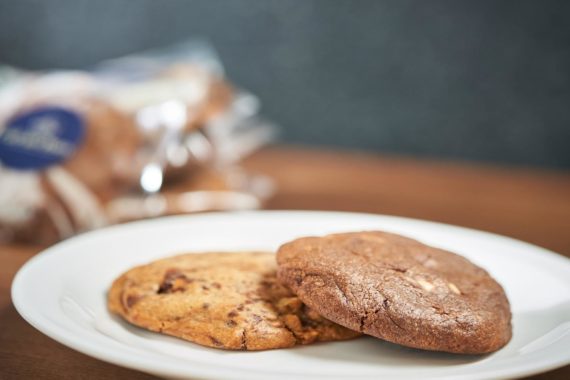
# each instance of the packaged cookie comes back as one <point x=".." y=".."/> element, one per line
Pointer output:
<point x="61" y="151"/>
<point x="185" y="108"/>
<point x="81" y="150"/>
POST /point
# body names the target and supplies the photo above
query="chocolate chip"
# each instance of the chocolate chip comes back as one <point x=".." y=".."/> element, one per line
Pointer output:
<point x="240" y="307"/>
<point x="132" y="300"/>
<point x="215" y="342"/>
<point x="231" y="323"/>
<point x="164" y="288"/>
<point x="205" y="306"/>
<point x="232" y="314"/>
<point x="170" y="277"/>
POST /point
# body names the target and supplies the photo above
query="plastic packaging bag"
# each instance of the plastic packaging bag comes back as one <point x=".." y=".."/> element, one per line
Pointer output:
<point x="145" y="135"/>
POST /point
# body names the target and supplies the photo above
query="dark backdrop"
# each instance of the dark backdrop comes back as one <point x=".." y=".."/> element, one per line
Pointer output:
<point x="482" y="80"/>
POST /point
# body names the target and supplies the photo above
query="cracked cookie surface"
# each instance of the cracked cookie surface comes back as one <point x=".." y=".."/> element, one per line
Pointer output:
<point x="222" y="300"/>
<point x="399" y="290"/>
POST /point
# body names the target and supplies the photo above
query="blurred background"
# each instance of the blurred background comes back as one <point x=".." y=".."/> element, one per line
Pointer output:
<point x="468" y="80"/>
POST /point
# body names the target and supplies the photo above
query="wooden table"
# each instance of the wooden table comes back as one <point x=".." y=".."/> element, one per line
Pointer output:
<point x="528" y="204"/>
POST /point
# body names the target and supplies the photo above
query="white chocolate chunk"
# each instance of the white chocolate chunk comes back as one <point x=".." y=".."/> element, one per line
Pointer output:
<point x="453" y="288"/>
<point x="425" y="284"/>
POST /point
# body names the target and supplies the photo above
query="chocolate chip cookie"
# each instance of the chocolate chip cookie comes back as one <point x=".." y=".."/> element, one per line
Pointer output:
<point x="222" y="300"/>
<point x="399" y="290"/>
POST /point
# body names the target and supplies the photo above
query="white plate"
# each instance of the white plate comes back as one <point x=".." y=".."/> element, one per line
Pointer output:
<point x="62" y="292"/>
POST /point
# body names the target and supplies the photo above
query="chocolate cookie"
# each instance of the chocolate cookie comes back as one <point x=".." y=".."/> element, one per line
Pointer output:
<point x="399" y="290"/>
<point x="222" y="300"/>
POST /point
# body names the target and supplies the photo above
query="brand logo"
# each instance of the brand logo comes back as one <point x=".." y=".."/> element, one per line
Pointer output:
<point x="40" y="138"/>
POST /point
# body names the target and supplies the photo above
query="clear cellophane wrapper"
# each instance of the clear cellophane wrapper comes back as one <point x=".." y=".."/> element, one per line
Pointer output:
<point x="164" y="133"/>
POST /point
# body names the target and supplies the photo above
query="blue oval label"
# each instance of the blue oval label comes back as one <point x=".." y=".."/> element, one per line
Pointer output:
<point x="40" y="138"/>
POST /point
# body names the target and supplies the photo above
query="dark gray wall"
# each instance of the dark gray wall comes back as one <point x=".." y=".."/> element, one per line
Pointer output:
<point x="483" y="80"/>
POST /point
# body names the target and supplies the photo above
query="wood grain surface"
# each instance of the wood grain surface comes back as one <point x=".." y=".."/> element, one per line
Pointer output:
<point x="524" y="203"/>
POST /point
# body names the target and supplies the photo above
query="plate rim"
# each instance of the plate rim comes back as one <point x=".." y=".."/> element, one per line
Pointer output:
<point x="57" y="333"/>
